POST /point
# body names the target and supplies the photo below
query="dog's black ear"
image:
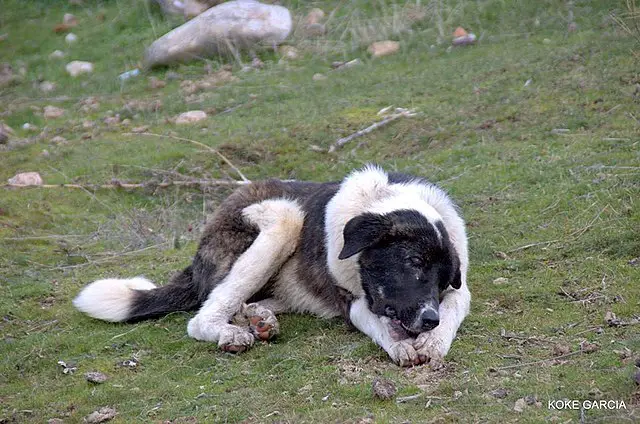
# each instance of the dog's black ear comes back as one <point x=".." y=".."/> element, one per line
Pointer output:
<point x="363" y="231"/>
<point x="456" y="283"/>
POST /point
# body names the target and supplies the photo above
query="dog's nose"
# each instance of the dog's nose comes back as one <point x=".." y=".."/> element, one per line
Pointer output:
<point x="430" y="319"/>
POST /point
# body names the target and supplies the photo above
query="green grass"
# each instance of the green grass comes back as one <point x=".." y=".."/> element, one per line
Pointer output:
<point x="571" y="196"/>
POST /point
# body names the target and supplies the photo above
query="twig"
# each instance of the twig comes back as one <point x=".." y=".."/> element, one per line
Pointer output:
<point x="527" y="246"/>
<point x="197" y="143"/>
<point x="400" y="113"/>
<point x="526" y="364"/>
<point x="408" y="398"/>
<point x="189" y="183"/>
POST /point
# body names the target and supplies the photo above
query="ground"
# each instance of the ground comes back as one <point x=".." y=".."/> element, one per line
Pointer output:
<point x="534" y="131"/>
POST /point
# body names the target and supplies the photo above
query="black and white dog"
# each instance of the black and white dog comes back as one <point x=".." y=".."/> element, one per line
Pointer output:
<point x="388" y="252"/>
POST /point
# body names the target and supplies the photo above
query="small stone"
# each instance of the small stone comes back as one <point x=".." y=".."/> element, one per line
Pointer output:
<point x="191" y="117"/>
<point x="56" y="54"/>
<point x="588" y="347"/>
<point x="100" y="416"/>
<point x="95" y="377"/>
<point x="383" y="389"/>
<point x="59" y="140"/>
<point x="88" y="124"/>
<point x="499" y="393"/>
<point x="561" y="349"/>
<point x="572" y="27"/>
<point x="500" y="280"/>
<point x="52" y="112"/>
<point x="141" y="129"/>
<point x="47" y="86"/>
<point x="315" y="16"/>
<point x="319" y="77"/>
<point x="79" y="67"/>
<point x="596" y="393"/>
<point x="55" y="421"/>
<point x="45" y="153"/>
<point x="546" y="41"/>
<point x="172" y="76"/>
<point x="520" y="405"/>
<point x="530" y="400"/>
<point x="26" y="178"/>
<point x="69" y="19"/>
<point x="112" y="120"/>
<point x="27" y="126"/>
<point x="156" y="83"/>
<point x="256" y="63"/>
<point x="383" y="48"/>
<point x="501" y="255"/>
<point x="71" y="38"/>
<point x="289" y="52"/>
<point x="636" y="378"/>
<point x="126" y="122"/>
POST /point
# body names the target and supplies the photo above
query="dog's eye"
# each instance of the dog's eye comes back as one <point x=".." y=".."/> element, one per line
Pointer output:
<point x="416" y="261"/>
<point x="390" y="312"/>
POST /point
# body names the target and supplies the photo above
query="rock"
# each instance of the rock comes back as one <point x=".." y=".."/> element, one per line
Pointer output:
<point x="96" y="377"/>
<point x="56" y="54"/>
<point x="520" y="405"/>
<point x="52" y="112"/>
<point x="70" y="20"/>
<point x="26" y="178"/>
<point x="315" y="16"/>
<point x="87" y="125"/>
<point x="89" y="104"/>
<point x="79" y="67"/>
<point x="546" y="41"/>
<point x="319" y="77"/>
<point x="55" y="421"/>
<point x="383" y="389"/>
<point x="100" y="416"/>
<point x="193" y="8"/>
<point x="156" y="83"/>
<point x="59" y="140"/>
<point x="462" y="38"/>
<point x="47" y="86"/>
<point x="171" y="7"/>
<point x="500" y="280"/>
<point x="238" y="23"/>
<point x="112" y="120"/>
<point x="383" y="48"/>
<point x="71" y="38"/>
<point x="191" y="117"/>
<point x="636" y="378"/>
<point x="289" y="52"/>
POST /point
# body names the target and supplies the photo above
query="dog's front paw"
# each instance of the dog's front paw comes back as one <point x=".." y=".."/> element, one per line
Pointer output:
<point x="263" y="323"/>
<point x="432" y="347"/>
<point x="404" y="354"/>
<point x="235" y="339"/>
<point x="198" y="331"/>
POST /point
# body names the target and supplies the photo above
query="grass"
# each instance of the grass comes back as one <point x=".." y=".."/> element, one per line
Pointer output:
<point x="555" y="213"/>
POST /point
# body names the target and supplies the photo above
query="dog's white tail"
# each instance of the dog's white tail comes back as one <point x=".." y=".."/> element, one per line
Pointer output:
<point x="111" y="299"/>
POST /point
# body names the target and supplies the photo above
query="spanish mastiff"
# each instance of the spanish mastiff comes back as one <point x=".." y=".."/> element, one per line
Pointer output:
<point x="385" y="251"/>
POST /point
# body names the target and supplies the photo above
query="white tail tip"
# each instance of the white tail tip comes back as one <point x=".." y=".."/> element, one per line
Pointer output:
<point x="110" y="299"/>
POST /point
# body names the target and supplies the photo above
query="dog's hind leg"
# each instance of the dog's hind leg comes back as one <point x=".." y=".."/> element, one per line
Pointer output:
<point x="280" y="223"/>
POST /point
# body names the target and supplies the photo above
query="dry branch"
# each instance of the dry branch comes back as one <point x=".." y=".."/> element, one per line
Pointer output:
<point x="399" y="113"/>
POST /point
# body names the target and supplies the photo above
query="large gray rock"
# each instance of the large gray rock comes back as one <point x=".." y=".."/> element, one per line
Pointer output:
<point x="233" y="25"/>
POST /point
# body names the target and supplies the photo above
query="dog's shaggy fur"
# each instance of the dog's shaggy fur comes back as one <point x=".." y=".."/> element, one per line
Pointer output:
<point x="388" y="252"/>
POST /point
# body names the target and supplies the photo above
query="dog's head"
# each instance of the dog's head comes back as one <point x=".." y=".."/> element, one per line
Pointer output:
<point x="405" y="261"/>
